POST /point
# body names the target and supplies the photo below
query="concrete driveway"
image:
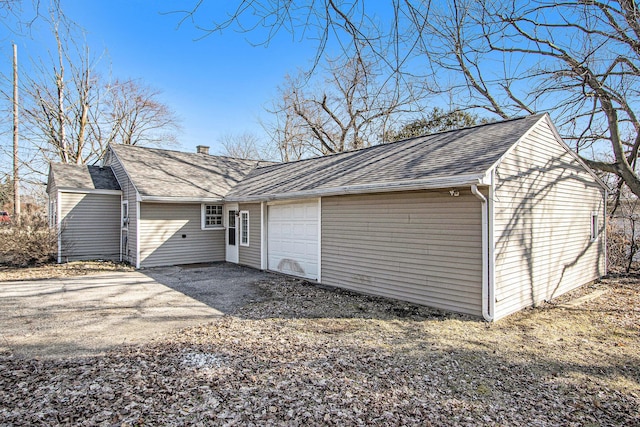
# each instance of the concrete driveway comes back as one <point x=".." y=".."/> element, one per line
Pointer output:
<point x="79" y="316"/>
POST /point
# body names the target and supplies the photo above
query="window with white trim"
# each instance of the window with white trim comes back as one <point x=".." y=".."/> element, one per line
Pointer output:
<point x="244" y="228"/>
<point x="594" y="226"/>
<point x="211" y="216"/>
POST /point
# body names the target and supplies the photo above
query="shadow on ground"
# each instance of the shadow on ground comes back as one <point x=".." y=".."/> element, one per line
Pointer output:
<point x="87" y="315"/>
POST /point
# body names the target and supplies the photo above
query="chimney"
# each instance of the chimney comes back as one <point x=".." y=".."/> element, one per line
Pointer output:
<point x="202" y="149"/>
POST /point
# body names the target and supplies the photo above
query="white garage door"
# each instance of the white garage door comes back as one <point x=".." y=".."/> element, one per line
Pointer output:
<point x="293" y="239"/>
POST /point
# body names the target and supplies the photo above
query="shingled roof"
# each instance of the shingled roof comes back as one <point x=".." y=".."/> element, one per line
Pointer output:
<point x="83" y="177"/>
<point x="167" y="174"/>
<point x="447" y="158"/>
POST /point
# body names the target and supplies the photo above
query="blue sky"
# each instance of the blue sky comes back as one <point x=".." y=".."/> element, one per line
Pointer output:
<point x="217" y="85"/>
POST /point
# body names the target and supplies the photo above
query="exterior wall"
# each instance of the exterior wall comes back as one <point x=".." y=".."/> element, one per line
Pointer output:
<point x="543" y="203"/>
<point x="90" y="226"/>
<point x="422" y="247"/>
<point x="250" y="255"/>
<point x="170" y="234"/>
<point x="129" y="193"/>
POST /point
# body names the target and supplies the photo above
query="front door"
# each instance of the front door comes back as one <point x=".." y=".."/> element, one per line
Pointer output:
<point x="231" y="235"/>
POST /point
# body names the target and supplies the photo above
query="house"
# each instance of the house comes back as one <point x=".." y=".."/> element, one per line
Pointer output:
<point x="484" y="220"/>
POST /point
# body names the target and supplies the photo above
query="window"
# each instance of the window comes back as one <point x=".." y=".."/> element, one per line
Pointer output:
<point x="211" y="216"/>
<point x="53" y="214"/>
<point x="231" y="228"/>
<point x="125" y="215"/>
<point x="244" y="228"/>
<point x="594" y="226"/>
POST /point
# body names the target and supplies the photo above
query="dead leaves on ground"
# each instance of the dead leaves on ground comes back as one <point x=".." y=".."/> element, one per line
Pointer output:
<point x="311" y="356"/>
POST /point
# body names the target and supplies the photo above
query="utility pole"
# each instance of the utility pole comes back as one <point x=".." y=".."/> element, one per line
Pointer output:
<point x="16" y="180"/>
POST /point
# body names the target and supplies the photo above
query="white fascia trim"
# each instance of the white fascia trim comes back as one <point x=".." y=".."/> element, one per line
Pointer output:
<point x="159" y="199"/>
<point x="573" y="153"/>
<point x="381" y="187"/>
<point x="138" y="199"/>
<point x="89" y="191"/>
<point x="560" y="141"/>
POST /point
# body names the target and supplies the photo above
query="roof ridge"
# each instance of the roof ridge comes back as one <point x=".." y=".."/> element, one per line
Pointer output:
<point x="406" y="140"/>
<point x="188" y="153"/>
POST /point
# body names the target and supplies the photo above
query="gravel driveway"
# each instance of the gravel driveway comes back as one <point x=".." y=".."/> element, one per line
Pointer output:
<point x="79" y="316"/>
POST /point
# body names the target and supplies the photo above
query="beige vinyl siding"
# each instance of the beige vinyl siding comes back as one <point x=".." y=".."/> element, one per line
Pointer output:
<point x="162" y="227"/>
<point x="90" y="226"/>
<point x="129" y="194"/>
<point x="250" y="255"/>
<point x="423" y="247"/>
<point x="543" y="203"/>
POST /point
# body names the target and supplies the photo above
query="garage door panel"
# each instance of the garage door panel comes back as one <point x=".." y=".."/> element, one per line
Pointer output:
<point x="293" y="239"/>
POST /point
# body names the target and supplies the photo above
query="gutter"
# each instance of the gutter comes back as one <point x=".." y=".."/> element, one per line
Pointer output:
<point x="488" y="301"/>
<point x="89" y="191"/>
<point x="163" y="199"/>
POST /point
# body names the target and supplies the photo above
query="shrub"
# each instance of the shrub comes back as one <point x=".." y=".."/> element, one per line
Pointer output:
<point x="30" y="242"/>
<point x="623" y="244"/>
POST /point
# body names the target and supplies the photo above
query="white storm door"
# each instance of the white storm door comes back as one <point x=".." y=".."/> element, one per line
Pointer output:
<point x="231" y="232"/>
<point x="292" y="239"/>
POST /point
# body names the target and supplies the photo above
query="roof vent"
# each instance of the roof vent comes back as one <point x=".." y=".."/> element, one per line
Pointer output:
<point x="202" y="149"/>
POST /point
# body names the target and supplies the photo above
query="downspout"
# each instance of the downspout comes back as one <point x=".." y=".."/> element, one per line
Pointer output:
<point x="137" y="230"/>
<point x="487" y="293"/>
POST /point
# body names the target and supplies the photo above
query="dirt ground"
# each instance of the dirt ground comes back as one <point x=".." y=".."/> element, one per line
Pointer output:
<point x="304" y="355"/>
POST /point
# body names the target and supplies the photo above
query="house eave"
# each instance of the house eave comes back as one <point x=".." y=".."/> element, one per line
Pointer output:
<point x="89" y="191"/>
<point x="380" y="187"/>
<point x="166" y="199"/>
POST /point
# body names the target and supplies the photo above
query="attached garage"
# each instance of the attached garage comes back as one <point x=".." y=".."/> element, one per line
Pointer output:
<point x="485" y="220"/>
<point x="419" y="246"/>
<point x="292" y="238"/>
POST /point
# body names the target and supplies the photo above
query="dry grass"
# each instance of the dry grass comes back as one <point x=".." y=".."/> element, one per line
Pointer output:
<point x="56" y="271"/>
<point x="311" y="356"/>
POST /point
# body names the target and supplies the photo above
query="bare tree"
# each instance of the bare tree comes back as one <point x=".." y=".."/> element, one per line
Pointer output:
<point x="578" y="60"/>
<point x="351" y="109"/>
<point x="287" y="135"/>
<point x="72" y="113"/>
<point x="133" y="115"/>
<point x="245" y="145"/>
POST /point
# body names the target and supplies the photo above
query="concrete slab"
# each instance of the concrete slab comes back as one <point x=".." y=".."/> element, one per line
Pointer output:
<point x="87" y="315"/>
